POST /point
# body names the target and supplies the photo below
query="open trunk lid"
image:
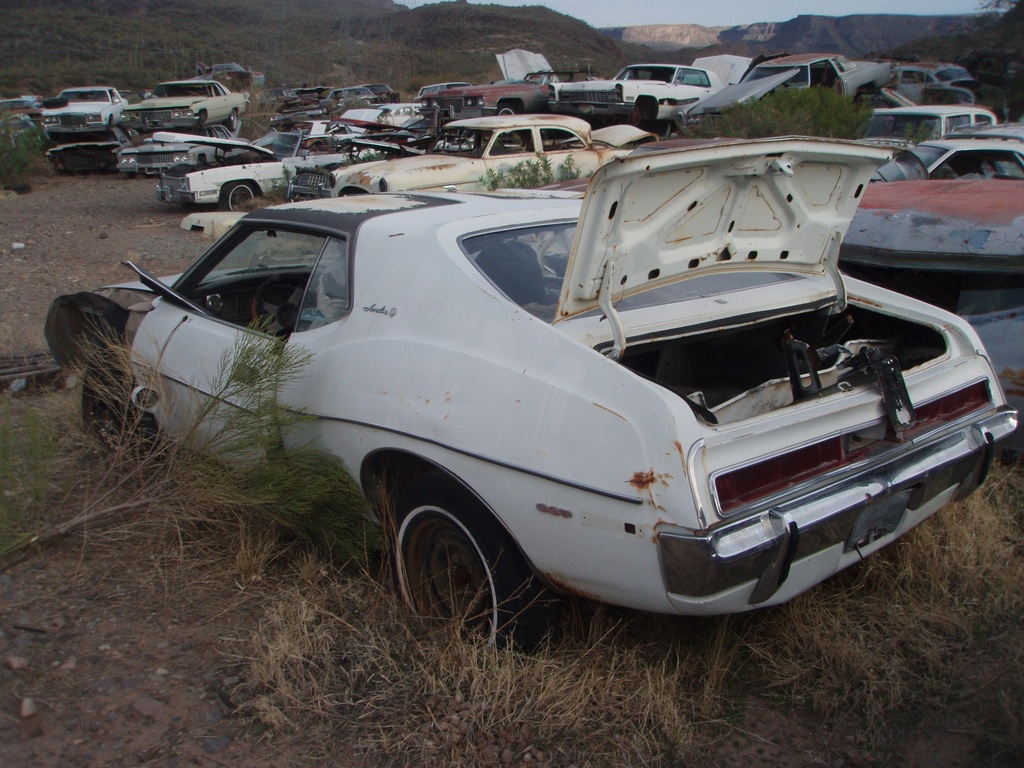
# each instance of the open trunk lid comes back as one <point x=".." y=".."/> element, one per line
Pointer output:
<point x="774" y="205"/>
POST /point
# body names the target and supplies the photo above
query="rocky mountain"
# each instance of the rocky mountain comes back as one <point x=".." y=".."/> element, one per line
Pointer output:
<point x="855" y="35"/>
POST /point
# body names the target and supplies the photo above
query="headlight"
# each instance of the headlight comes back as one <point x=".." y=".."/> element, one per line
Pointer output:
<point x="183" y="184"/>
<point x="332" y="179"/>
<point x="618" y="92"/>
<point x="380" y="184"/>
<point x="95" y="117"/>
<point x="51" y="120"/>
<point x="127" y="160"/>
<point x="180" y="157"/>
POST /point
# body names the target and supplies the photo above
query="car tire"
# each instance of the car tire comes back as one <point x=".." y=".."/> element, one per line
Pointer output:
<point x="454" y="561"/>
<point x="508" y="108"/>
<point x="232" y="122"/>
<point x="107" y="410"/>
<point x="236" y="196"/>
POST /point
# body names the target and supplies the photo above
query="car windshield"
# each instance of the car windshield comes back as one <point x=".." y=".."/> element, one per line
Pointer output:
<point x="165" y="90"/>
<point x="281" y="144"/>
<point x="262" y="250"/>
<point x="664" y="74"/>
<point x="86" y="96"/>
<point x="908" y="127"/>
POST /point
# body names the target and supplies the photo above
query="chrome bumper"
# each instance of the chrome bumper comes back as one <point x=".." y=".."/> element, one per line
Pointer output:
<point x="855" y="511"/>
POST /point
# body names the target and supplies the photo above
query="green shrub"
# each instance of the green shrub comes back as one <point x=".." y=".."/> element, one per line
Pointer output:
<point x="788" y="112"/>
<point x="20" y="150"/>
<point x="530" y="174"/>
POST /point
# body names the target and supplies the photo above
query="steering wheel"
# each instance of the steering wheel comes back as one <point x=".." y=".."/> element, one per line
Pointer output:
<point x="285" y="314"/>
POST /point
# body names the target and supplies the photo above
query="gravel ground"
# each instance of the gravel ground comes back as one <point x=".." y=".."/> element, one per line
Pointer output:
<point x="71" y="233"/>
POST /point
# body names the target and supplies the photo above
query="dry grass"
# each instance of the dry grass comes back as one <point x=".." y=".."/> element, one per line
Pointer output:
<point x="926" y="631"/>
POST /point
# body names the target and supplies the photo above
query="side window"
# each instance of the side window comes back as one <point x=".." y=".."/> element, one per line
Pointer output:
<point x="513" y="143"/>
<point x="982" y="120"/>
<point x="560" y="140"/>
<point x="327" y="296"/>
<point x="956" y="121"/>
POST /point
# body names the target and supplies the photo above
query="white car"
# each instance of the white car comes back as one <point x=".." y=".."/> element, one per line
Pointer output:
<point x="245" y="170"/>
<point x="82" y="110"/>
<point x="954" y="158"/>
<point x="467" y="151"/>
<point x="903" y="126"/>
<point x="188" y="104"/>
<point x="639" y="94"/>
<point x="666" y="397"/>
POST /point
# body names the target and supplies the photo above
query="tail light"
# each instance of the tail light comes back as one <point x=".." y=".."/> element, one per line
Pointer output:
<point x="745" y="485"/>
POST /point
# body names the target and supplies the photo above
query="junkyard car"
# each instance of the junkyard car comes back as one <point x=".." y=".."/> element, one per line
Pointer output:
<point x="467" y="151"/>
<point x="962" y="158"/>
<point x="528" y="95"/>
<point x="640" y="93"/>
<point x="186" y="104"/>
<point x="916" y="80"/>
<point x="853" y="78"/>
<point x="665" y="397"/>
<point x="92" y="151"/>
<point x="902" y="126"/>
<point x="163" y="151"/>
<point x="82" y="110"/>
<point x="244" y="171"/>
<point x="955" y="244"/>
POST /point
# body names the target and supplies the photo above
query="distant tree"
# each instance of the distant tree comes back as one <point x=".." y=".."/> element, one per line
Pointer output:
<point x="999" y="5"/>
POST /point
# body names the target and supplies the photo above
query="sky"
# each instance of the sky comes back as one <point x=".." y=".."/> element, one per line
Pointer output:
<point x="726" y="13"/>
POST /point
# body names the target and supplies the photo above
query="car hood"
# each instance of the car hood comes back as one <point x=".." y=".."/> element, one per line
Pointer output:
<point x="166" y="102"/>
<point x="420" y="162"/>
<point x="740" y="92"/>
<point x="226" y="144"/>
<point x="777" y="205"/>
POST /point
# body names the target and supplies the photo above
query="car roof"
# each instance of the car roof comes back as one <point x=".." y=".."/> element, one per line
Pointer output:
<point x="348" y="214"/>
<point x="937" y="110"/>
<point x="950" y="143"/>
<point x="499" y="122"/>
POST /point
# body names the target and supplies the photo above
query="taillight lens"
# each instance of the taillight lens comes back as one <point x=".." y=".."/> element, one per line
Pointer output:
<point x="747" y="484"/>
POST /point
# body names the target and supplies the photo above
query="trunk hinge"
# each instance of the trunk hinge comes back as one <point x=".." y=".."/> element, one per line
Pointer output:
<point x="604" y="301"/>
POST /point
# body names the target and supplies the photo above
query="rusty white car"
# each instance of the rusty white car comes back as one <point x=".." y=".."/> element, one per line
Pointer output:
<point x="665" y="396"/>
<point x="466" y="152"/>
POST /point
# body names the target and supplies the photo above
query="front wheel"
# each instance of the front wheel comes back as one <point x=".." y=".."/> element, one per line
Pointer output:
<point x="456" y="562"/>
<point x="237" y="196"/>
<point x="233" y="121"/>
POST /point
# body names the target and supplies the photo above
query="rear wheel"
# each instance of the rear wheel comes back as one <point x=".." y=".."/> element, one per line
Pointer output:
<point x="232" y="122"/>
<point x="509" y="108"/>
<point x="456" y="562"/>
<point x="237" y="196"/>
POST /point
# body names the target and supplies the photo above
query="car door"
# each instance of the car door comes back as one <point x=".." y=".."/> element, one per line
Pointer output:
<point x="208" y="346"/>
<point x="562" y="146"/>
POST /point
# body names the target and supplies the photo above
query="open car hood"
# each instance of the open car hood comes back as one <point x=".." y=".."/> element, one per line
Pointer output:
<point x="226" y="144"/>
<point x="775" y="205"/>
<point x="737" y="93"/>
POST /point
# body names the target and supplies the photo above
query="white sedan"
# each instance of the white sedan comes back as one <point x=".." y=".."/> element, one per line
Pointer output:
<point x="665" y="397"/>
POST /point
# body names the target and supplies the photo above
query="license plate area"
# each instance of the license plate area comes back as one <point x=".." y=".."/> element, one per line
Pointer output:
<point x="878" y="519"/>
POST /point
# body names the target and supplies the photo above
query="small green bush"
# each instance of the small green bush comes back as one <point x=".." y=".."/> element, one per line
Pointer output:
<point x="788" y="112"/>
<point x="530" y="174"/>
<point x="20" y="150"/>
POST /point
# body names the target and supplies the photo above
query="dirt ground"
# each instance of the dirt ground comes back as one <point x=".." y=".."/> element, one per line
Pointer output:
<point x="101" y="664"/>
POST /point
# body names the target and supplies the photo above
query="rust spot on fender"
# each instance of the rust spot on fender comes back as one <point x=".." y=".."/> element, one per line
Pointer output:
<point x="643" y="480"/>
<point x="559" y="585"/>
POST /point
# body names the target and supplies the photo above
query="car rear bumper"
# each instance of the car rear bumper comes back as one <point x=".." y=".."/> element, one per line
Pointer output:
<point x="761" y="558"/>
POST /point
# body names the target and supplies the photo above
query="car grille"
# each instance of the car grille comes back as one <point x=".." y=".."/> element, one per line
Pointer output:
<point x="154" y="159"/>
<point x="450" y="107"/>
<point x="603" y="97"/>
<point x="73" y="121"/>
